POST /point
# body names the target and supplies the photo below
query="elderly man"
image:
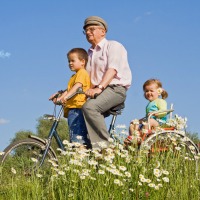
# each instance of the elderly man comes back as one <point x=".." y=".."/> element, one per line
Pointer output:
<point x="110" y="77"/>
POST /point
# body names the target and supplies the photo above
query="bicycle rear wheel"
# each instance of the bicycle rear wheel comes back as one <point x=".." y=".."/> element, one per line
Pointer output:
<point x="170" y="141"/>
<point x="25" y="157"/>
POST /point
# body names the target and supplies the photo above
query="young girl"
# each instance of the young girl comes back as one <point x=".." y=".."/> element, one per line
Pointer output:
<point x="152" y="92"/>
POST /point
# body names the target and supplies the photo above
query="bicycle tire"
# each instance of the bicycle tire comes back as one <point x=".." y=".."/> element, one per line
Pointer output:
<point x="161" y="141"/>
<point x="25" y="156"/>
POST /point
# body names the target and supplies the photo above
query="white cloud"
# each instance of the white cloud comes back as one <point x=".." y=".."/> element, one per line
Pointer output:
<point x="4" y="54"/>
<point x="148" y="13"/>
<point x="138" y="18"/>
<point x="3" y="121"/>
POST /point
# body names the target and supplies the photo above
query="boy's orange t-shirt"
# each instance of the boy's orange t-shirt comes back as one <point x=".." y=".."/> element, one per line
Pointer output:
<point x="78" y="100"/>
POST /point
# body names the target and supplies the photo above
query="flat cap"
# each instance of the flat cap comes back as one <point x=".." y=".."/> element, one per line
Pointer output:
<point x="95" y="20"/>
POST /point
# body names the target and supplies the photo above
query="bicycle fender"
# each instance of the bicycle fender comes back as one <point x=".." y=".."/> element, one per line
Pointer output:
<point x="42" y="141"/>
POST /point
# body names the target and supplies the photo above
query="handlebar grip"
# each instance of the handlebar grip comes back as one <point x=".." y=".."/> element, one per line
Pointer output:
<point x="58" y="103"/>
<point x="58" y="93"/>
<point x="56" y="96"/>
<point x="95" y="95"/>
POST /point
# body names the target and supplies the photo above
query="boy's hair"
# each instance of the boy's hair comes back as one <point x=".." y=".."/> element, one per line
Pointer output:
<point x="164" y="93"/>
<point x="82" y="54"/>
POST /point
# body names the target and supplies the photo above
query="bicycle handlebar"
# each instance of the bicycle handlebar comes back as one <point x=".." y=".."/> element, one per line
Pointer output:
<point x="58" y="93"/>
<point x="158" y="112"/>
<point x="95" y="95"/>
<point x="78" y="91"/>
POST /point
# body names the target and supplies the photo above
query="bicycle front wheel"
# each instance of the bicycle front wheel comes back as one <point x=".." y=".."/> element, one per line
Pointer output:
<point x="25" y="157"/>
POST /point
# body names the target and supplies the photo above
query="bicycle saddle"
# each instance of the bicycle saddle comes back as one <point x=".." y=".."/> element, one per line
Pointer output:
<point x="116" y="110"/>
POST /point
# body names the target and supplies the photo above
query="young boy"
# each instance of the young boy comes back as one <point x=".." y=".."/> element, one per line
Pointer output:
<point x="77" y="58"/>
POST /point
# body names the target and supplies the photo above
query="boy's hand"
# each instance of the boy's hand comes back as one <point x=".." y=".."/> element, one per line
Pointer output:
<point x="60" y="100"/>
<point x="53" y="96"/>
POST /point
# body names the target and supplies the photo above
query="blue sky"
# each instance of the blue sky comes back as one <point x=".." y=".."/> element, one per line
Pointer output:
<point x="161" y="37"/>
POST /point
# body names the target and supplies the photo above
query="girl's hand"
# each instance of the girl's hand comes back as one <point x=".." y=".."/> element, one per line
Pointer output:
<point x="150" y="113"/>
<point x="155" y="114"/>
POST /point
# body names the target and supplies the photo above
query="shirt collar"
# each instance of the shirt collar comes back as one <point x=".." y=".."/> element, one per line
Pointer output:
<point x="99" y="45"/>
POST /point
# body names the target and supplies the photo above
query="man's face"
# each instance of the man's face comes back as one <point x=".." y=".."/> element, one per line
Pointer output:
<point x="94" y="34"/>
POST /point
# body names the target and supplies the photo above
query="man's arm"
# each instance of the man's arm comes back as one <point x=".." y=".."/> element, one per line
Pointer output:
<point x="108" y="77"/>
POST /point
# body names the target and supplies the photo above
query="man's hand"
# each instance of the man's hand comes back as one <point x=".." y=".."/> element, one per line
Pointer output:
<point x="91" y="92"/>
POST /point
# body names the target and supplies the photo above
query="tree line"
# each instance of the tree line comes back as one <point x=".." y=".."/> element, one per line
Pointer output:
<point x="44" y="126"/>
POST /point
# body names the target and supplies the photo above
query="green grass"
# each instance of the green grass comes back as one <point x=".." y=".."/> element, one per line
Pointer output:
<point x="117" y="174"/>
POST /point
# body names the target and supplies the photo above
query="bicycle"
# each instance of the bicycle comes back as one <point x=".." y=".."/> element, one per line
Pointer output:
<point x="30" y="154"/>
<point x="33" y="152"/>
<point x="161" y="139"/>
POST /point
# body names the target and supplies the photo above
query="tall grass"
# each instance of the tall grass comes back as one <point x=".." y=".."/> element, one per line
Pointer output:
<point x="117" y="173"/>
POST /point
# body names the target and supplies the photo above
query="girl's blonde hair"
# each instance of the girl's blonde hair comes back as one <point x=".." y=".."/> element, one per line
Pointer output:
<point x="164" y="93"/>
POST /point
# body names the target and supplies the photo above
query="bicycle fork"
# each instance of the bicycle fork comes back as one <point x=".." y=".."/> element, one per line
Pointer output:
<point x="52" y="133"/>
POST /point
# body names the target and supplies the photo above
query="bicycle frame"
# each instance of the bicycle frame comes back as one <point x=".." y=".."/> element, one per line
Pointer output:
<point x="53" y="133"/>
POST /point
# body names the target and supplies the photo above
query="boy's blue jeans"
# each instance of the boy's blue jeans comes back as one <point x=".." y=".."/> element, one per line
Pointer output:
<point x="77" y="128"/>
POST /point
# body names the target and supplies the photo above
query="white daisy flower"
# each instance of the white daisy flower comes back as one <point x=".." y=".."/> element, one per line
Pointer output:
<point x="165" y="179"/>
<point x="13" y="170"/>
